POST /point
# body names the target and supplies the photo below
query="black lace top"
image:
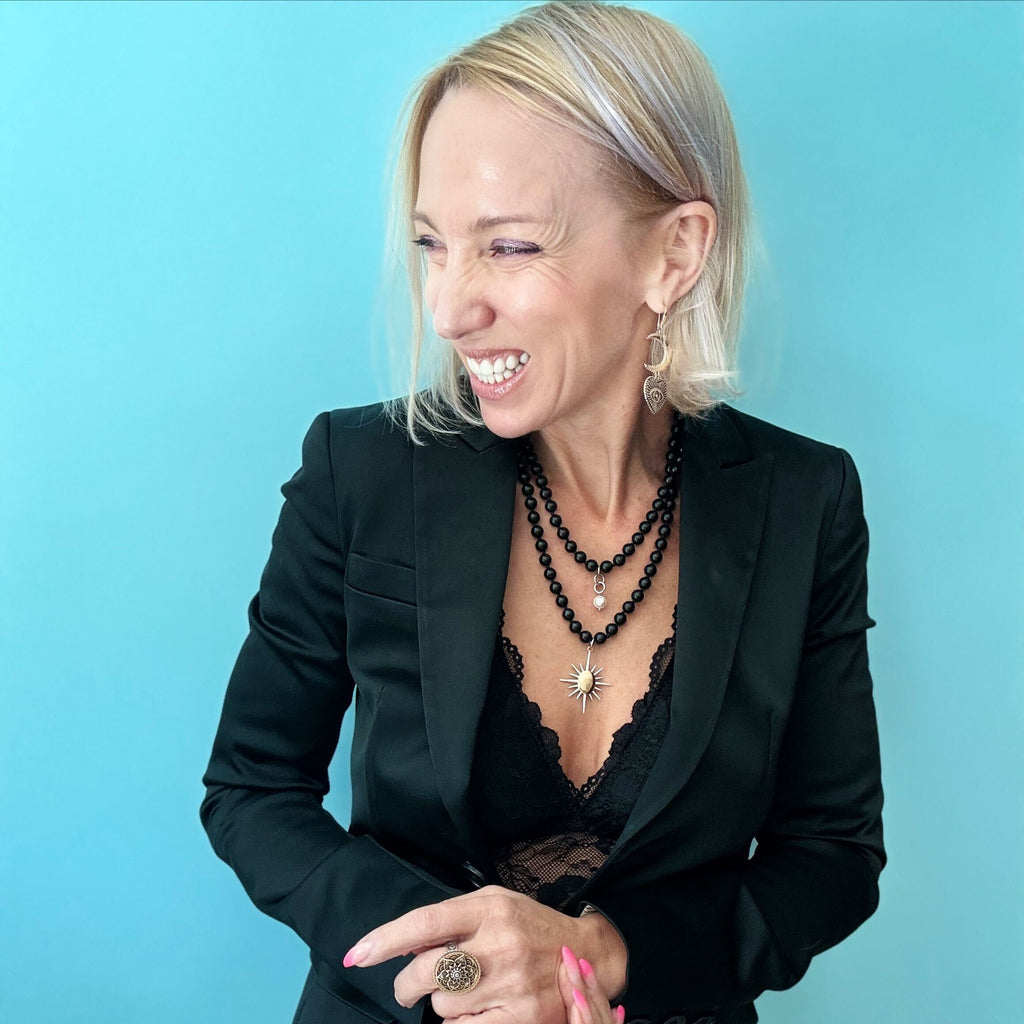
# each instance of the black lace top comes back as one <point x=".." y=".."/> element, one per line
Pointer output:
<point x="546" y="836"/>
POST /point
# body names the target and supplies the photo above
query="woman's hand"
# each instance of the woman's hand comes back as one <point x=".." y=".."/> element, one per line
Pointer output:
<point x="518" y="943"/>
<point x="585" y="1002"/>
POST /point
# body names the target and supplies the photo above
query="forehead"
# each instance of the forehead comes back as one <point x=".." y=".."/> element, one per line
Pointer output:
<point x="480" y="150"/>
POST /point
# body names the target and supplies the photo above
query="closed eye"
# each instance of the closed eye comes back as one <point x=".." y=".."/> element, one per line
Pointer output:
<point x="514" y="249"/>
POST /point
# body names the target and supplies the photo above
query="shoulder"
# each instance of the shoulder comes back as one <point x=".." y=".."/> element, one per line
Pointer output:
<point x="805" y="473"/>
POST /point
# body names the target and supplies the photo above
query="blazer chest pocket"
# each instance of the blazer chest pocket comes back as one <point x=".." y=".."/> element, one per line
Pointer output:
<point x="380" y="611"/>
<point x="385" y="580"/>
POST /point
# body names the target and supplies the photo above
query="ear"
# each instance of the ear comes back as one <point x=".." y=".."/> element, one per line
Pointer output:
<point x="682" y="239"/>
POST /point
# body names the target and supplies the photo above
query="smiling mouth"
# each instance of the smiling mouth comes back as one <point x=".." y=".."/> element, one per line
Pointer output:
<point x="498" y="368"/>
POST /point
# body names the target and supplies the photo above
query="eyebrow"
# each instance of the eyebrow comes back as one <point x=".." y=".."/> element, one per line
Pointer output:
<point x="482" y="223"/>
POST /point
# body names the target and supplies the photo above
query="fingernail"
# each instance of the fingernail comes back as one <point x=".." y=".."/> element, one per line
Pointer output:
<point x="585" y="967"/>
<point x="620" y="1012"/>
<point x="356" y="954"/>
<point x="581" y="999"/>
<point x="568" y="958"/>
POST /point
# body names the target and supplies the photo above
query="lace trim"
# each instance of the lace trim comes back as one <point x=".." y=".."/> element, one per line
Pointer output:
<point x="548" y="738"/>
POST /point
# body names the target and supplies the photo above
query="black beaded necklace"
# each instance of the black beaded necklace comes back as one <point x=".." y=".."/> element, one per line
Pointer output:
<point x="585" y="679"/>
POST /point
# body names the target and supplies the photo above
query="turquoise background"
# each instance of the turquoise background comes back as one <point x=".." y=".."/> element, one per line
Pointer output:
<point x="191" y="212"/>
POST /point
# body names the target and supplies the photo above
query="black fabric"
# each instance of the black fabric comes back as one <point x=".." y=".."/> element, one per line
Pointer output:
<point x="546" y="836"/>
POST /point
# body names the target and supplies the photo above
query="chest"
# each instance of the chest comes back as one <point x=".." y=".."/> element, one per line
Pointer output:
<point x="554" y="658"/>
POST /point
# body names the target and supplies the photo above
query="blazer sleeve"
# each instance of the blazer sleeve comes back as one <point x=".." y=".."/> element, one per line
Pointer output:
<point x="722" y="935"/>
<point x="268" y="772"/>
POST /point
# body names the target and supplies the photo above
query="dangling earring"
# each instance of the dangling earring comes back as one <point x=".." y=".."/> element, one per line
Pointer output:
<point x="654" y="386"/>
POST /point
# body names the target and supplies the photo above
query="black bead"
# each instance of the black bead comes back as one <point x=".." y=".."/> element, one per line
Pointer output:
<point x="549" y="573"/>
<point x="555" y="587"/>
<point x="599" y="638"/>
<point x="606" y="567"/>
<point x="645" y="527"/>
<point x="580" y="556"/>
<point x="557" y="521"/>
<point x="661" y="544"/>
<point x="628" y="606"/>
<point x="568" y="614"/>
<point x="545" y="492"/>
<point x="537" y="531"/>
<point x="665" y="530"/>
<point x="611" y="629"/>
<point x="638" y="538"/>
<point x="586" y="636"/>
<point x="527" y="487"/>
<point x="619" y="559"/>
<point x="562" y="601"/>
<point x="644" y="583"/>
<point x="545" y="559"/>
<point x="667" y="517"/>
<point x="570" y="545"/>
<point x="542" y="480"/>
<point x="576" y="626"/>
<point x="591" y="565"/>
<point x="637" y="595"/>
<point x="657" y="504"/>
<point x="533" y="517"/>
<point x="628" y="549"/>
<point x="663" y="491"/>
<point x="656" y="556"/>
<point x="651" y="517"/>
<point x="550" y="506"/>
<point x="530" y="503"/>
<point x="541" y="545"/>
<point x="650" y="570"/>
<point x="620" y="618"/>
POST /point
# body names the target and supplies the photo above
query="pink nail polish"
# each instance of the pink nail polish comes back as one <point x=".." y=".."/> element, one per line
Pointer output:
<point x="581" y="999"/>
<point x="586" y="970"/>
<point x="356" y="954"/>
<point x="567" y="957"/>
<point x="620" y="1012"/>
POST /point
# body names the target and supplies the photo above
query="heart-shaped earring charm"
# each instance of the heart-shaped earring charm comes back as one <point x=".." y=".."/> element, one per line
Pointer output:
<point x="654" y="393"/>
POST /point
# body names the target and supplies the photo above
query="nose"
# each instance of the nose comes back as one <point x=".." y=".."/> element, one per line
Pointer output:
<point x="455" y="296"/>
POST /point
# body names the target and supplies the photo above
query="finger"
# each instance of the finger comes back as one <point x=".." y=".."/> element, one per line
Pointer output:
<point x="416" y="979"/>
<point x="572" y="966"/>
<point x="583" y="1005"/>
<point x="589" y="977"/>
<point x="421" y="929"/>
<point x="565" y="990"/>
<point x="620" y="1014"/>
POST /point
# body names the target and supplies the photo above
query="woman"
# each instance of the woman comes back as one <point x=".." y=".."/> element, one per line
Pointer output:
<point x="569" y="729"/>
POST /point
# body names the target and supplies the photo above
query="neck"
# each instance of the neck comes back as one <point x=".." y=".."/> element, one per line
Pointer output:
<point x="609" y="464"/>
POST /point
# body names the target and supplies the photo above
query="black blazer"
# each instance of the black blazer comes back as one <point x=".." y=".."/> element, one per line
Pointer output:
<point x="384" y="587"/>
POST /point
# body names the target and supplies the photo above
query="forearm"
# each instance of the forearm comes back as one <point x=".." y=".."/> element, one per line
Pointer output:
<point x="299" y="866"/>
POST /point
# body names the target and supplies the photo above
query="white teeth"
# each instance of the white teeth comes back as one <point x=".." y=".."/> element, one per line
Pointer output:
<point x="502" y="368"/>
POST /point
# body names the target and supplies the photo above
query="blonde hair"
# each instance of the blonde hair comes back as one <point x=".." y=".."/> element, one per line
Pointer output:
<point x="644" y="94"/>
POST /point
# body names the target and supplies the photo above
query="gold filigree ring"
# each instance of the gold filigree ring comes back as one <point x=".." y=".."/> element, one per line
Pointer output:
<point x="456" y="970"/>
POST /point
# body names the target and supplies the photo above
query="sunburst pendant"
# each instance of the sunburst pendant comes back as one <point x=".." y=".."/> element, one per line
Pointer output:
<point x="585" y="681"/>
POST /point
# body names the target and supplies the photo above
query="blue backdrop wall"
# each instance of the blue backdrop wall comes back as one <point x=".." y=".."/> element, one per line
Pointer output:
<point x="191" y="212"/>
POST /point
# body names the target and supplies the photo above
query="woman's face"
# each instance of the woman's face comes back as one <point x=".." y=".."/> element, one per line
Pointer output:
<point x="534" y="273"/>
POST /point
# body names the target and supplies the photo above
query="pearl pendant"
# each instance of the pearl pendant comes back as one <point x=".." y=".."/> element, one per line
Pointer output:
<point x="600" y="601"/>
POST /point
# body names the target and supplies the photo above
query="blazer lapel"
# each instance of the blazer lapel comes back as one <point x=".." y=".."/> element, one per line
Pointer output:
<point x="463" y="500"/>
<point x="719" y="518"/>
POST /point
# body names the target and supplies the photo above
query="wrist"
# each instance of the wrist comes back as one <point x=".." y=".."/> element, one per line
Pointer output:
<point x="600" y="943"/>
